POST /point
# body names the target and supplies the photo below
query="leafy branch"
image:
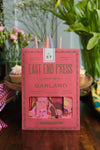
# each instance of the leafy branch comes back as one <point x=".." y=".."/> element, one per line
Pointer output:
<point x="82" y="17"/>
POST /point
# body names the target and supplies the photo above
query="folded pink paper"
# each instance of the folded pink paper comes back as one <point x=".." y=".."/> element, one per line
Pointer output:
<point x="6" y="95"/>
<point x="32" y="107"/>
<point x="52" y="112"/>
<point x="67" y="107"/>
<point x="58" y="104"/>
<point x="55" y="107"/>
<point x="2" y="125"/>
<point x="41" y="107"/>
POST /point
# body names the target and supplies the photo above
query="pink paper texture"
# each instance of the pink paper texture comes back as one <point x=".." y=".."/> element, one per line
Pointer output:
<point x="52" y="112"/>
<point x="32" y="106"/>
<point x="2" y="125"/>
<point x="67" y="107"/>
<point x="41" y="107"/>
<point x="55" y="107"/>
<point x="50" y="89"/>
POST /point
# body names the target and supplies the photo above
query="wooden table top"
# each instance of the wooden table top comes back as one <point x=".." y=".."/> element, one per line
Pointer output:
<point x="17" y="86"/>
<point x="13" y="138"/>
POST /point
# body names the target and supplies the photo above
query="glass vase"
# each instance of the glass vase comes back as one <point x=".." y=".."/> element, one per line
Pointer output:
<point x="90" y="58"/>
<point x="13" y="57"/>
<point x="10" y="64"/>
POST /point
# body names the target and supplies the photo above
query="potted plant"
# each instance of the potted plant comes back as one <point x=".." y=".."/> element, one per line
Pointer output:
<point x="83" y="18"/>
<point x="11" y="43"/>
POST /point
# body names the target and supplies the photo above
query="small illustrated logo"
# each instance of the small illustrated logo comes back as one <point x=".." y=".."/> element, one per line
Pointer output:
<point x="48" y="55"/>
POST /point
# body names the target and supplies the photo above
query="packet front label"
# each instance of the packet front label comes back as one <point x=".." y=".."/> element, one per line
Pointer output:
<point x="50" y="73"/>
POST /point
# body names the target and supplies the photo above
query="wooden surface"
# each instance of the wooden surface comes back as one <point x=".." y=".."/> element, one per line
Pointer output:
<point x="87" y="83"/>
<point x="17" y="86"/>
<point x="14" y="86"/>
<point x="13" y="138"/>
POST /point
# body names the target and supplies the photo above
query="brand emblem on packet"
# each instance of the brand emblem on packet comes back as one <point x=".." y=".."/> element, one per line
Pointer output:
<point x="48" y="55"/>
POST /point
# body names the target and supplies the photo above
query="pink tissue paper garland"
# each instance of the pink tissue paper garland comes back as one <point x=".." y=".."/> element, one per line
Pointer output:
<point x="6" y="95"/>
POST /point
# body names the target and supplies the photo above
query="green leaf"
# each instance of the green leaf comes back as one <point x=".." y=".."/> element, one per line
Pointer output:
<point x="66" y="5"/>
<point x="98" y="17"/>
<point x="70" y="18"/>
<point x="82" y="4"/>
<point x="55" y="13"/>
<point x="62" y="12"/>
<point x="78" y="27"/>
<point x="92" y="3"/>
<point x="32" y="104"/>
<point x="93" y="41"/>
